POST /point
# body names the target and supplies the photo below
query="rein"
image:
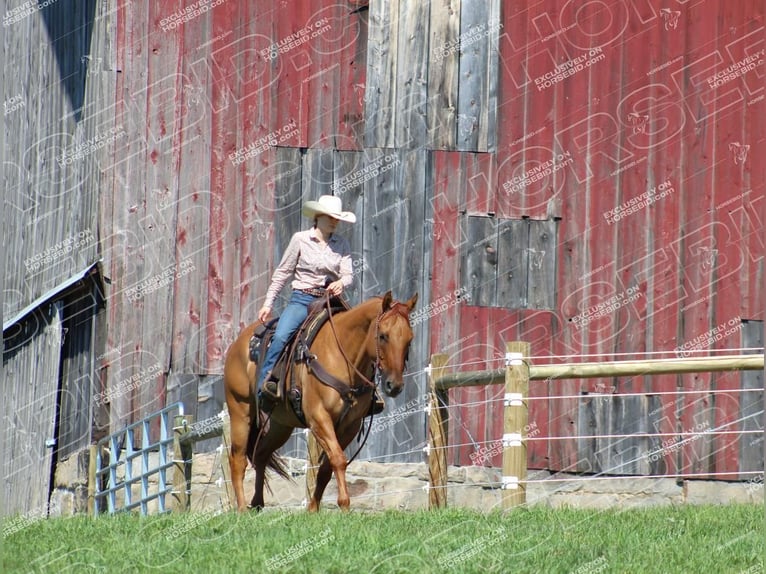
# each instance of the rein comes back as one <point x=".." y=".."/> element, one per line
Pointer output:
<point x="365" y="380"/>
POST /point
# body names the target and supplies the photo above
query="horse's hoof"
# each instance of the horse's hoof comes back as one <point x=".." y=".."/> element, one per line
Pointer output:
<point x="256" y="508"/>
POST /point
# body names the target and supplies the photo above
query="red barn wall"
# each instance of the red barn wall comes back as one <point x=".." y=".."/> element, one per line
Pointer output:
<point x="229" y="126"/>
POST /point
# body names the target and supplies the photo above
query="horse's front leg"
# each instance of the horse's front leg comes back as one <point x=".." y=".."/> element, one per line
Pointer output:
<point x="324" y="432"/>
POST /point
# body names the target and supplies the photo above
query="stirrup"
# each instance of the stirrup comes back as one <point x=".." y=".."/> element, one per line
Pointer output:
<point x="378" y="404"/>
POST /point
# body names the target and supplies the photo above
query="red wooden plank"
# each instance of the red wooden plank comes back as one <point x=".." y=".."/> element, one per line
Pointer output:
<point x="291" y="47"/>
<point x="352" y="54"/>
<point x="696" y="247"/>
<point x="258" y="173"/>
<point x="469" y="408"/>
<point x="575" y="295"/>
<point x="480" y="182"/>
<point x="530" y="48"/>
<point x="320" y="86"/>
<point x="222" y="304"/>
<point x="447" y="238"/>
<point x="665" y="49"/>
<point x="139" y="267"/>
<point x="158" y="224"/>
<point x="192" y="205"/>
<point x="730" y="263"/>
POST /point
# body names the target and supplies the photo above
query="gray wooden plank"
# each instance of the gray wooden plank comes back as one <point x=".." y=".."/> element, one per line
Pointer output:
<point x="472" y="65"/>
<point x="478" y="268"/>
<point x="443" y="73"/>
<point x="31" y="358"/>
<point x="512" y="263"/>
<point x="488" y="117"/>
<point x="412" y="74"/>
<point x="600" y="415"/>
<point x="380" y="95"/>
<point x="288" y="190"/>
<point x="211" y="400"/>
<point x="318" y="172"/>
<point x="191" y="202"/>
<point x="77" y="384"/>
<point x="348" y="165"/>
<point x="541" y="266"/>
<point x="751" y="405"/>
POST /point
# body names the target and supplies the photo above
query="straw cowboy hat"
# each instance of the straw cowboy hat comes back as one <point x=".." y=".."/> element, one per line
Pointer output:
<point x="328" y="205"/>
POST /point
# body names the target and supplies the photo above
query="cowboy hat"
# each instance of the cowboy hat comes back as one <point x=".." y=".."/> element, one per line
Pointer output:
<point x="328" y="205"/>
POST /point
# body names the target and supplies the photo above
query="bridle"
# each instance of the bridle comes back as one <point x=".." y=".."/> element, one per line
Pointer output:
<point x="396" y="307"/>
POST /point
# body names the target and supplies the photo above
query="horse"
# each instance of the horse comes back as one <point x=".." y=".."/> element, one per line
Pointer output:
<point x="372" y="337"/>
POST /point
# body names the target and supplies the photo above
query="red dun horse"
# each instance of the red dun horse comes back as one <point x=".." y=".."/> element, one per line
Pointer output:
<point x="348" y="347"/>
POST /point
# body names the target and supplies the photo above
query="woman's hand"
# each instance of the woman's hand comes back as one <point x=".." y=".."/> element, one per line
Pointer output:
<point x="264" y="314"/>
<point x="335" y="288"/>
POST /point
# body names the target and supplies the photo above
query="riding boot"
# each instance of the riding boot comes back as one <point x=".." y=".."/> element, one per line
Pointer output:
<point x="269" y="393"/>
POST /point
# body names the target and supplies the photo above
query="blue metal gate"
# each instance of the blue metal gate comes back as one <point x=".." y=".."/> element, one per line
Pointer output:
<point x="123" y="441"/>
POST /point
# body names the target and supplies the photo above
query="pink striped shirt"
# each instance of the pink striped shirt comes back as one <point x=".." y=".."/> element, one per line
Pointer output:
<point x="310" y="261"/>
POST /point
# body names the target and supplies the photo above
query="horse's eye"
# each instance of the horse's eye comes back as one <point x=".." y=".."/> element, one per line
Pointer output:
<point x="383" y="338"/>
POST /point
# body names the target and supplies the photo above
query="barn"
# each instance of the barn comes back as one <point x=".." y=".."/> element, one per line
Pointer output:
<point x="581" y="175"/>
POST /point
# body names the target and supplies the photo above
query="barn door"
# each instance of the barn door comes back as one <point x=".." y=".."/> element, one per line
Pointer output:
<point x="31" y="359"/>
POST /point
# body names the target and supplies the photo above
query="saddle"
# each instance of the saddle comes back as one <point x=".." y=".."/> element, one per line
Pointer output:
<point x="295" y="350"/>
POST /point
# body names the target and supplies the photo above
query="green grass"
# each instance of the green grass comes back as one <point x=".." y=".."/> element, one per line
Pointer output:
<point x="693" y="539"/>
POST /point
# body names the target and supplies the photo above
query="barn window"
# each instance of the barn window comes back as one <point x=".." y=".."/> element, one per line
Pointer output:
<point x="509" y="263"/>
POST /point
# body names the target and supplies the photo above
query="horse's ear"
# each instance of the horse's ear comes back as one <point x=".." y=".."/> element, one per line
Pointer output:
<point x="411" y="303"/>
<point x="387" y="300"/>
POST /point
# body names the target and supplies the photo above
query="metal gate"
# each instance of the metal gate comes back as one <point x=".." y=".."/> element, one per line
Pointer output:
<point x="116" y="477"/>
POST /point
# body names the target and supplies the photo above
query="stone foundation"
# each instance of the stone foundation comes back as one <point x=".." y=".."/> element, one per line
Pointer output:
<point x="404" y="486"/>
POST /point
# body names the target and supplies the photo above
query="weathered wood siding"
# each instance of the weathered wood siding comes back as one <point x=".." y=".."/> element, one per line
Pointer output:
<point x="31" y="358"/>
<point x="484" y="146"/>
<point x="57" y="83"/>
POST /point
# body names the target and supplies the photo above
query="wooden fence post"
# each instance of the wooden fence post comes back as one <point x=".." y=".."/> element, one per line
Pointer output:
<point x="313" y="452"/>
<point x="437" y="436"/>
<point x="515" y="418"/>
<point x="92" y="451"/>
<point x="229" y="501"/>
<point x="182" y="455"/>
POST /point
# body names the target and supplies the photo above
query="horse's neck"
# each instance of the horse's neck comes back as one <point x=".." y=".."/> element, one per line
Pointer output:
<point x="353" y="329"/>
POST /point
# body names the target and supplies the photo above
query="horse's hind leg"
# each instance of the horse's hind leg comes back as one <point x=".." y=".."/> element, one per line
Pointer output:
<point x="322" y="479"/>
<point x="260" y="475"/>
<point x="240" y="428"/>
<point x="270" y="440"/>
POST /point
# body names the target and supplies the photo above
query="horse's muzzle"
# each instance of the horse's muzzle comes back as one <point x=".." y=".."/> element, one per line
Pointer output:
<point x="391" y="388"/>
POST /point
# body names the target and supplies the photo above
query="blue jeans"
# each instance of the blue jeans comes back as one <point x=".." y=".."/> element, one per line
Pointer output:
<point x="289" y="321"/>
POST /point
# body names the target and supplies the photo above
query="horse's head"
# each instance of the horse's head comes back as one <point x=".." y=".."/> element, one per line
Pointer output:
<point x="392" y="338"/>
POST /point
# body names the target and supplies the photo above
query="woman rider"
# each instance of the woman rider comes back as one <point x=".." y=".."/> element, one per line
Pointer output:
<point x="312" y="257"/>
